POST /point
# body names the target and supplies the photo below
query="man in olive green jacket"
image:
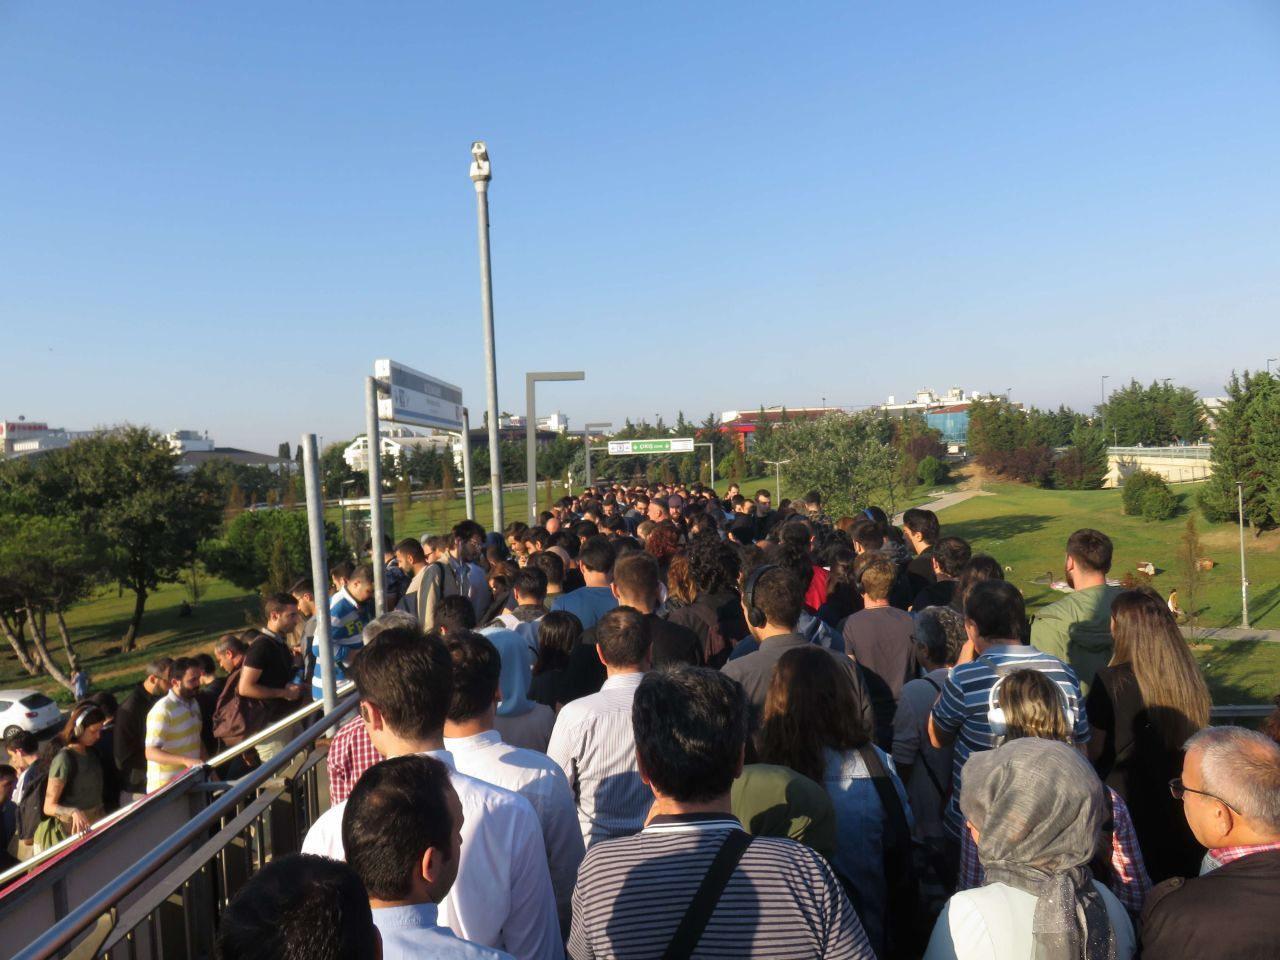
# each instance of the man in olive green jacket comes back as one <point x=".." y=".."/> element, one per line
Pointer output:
<point x="1077" y="628"/>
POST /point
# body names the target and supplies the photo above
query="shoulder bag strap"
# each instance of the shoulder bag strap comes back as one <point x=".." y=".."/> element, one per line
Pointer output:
<point x="889" y="798"/>
<point x="924" y="761"/>
<point x="703" y="904"/>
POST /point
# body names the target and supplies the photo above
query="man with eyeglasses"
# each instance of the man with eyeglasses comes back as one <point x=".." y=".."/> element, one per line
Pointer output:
<point x="1230" y="792"/>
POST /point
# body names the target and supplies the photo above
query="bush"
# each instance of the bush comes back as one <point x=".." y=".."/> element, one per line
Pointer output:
<point x="268" y="549"/>
<point x="932" y="471"/>
<point x="1147" y="495"/>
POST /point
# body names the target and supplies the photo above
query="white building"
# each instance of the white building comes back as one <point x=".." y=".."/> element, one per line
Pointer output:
<point x="22" y="437"/>
<point x="556" y="422"/>
<point x="926" y="400"/>
<point x="189" y="441"/>
<point x="394" y="441"/>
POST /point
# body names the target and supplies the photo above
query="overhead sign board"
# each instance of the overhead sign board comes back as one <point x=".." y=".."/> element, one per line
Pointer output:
<point x="416" y="398"/>
<point x="678" y="445"/>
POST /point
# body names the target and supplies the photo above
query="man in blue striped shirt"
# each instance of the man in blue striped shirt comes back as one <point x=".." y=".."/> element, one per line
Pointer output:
<point x="996" y="623"/>
<point x="347" y="619"/>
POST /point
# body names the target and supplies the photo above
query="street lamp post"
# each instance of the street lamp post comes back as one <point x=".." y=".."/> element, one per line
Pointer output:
<point x="1244" y="578"/>
<point x="777" y="489"/>
<point x="480" y="176"/>
<point x="468" y="483"/>
<point x="711" y="447"/>
<point x="1103" y="395"/>
<point x="586" y="444"/>
<point x="372" y="387"/>
<point x="530" y="430"/>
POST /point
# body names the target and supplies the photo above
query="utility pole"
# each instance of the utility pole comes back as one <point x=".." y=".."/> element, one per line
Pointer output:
<point x="1244" y="577"/>
<point x="480" y="176"/>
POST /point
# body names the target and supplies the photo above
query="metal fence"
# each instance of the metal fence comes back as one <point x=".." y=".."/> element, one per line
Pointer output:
<point x="154" y="881"/>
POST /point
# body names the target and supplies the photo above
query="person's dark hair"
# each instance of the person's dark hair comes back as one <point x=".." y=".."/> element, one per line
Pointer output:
<point x="741" y="530"/>
<point x="516" y="529"/>
<point x="83" y="715"/>
<point x="299" y="907"/>
<point x="362" y="574"/>
<point x="466" y="530"/>
<point x="636" y="575"/>
<point x="559" y="632"/>
<point x="1090" y="549"/>
<point x="597" y="555"/>
<point x="477" y="668"/>
<point x="409" y="678"/>
<point x="455" y="613"/>
<point x="714" y="565"/>
<point x="940" y="630"/>
<point x="277" y="604"/>
<point x="568" y="541"/>
<point x="551" y="565"/>
<point x="397" y="811"/>
<point x="22" y="741"/>
<point x="952" y="554"/>
<point x="795" y="533"/>
<point x="813" y="499"/>
<point x="181" y="666"/>
<point x="540" y="537"/>
<point x="810" y="705"/>
<point x="997" y="610"/>
<point x="690" y="727"/>
<point x="795" y="557"/>
<point x="623" y="637"/>
<point x="980" y="567"/>
<point x="303" y="588"/>
<point x="341" y="570"/>
<point x="585" y="529"/>
<point x="531" y="583"/>
<point x="868" y="534"/>
<point x="922" y="522"/>
<point x="841" y="580"/>
<point x="7" y="773"/>
<point x="229" y="641"/>
<point x="779" y="594"/>
<point x="874" y="574"/>
<point x="614" y="524"/>
<point x="105" y="701"/>
<point x="205" y="663"/>
<point x="413" y="548"/>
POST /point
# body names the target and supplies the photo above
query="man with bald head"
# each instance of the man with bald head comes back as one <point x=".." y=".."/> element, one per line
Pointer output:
<point x="1230" y="791"/>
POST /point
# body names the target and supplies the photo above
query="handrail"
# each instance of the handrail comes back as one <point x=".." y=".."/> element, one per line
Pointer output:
<point x="86" y="914"/>
<point x="55" y="852"/>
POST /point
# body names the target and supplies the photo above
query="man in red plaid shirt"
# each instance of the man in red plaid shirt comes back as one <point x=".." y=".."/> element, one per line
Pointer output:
<point x="1230" y="792"/>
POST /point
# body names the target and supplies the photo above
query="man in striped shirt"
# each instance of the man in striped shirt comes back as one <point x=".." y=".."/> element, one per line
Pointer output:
<point x="996" y="623"/>
<point x="593" y="741"/>
<point x="173" y="727"/>
<point x="637" y="895"/>
<point x="347" y="618"/>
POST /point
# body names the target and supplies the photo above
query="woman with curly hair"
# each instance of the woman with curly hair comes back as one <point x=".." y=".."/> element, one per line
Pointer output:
<point x="715" y="614"/>
<point x="663" y="544"/>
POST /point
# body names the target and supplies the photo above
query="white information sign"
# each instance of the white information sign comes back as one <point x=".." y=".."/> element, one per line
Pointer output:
<point x="416" y="398"/>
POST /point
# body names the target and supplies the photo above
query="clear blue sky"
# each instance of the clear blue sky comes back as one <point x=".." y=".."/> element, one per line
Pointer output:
<point x="217" y="217"/>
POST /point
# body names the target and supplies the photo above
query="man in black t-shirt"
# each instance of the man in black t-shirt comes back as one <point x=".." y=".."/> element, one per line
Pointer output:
<point x="267" y="668"/>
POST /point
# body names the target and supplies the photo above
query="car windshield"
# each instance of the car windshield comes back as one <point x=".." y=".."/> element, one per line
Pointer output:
<point x="36" y="700"/>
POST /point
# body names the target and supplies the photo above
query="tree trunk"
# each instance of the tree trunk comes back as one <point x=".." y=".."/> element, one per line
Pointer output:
<point x="13" y="633"/>
<point x="66" y="640"/>
<point x="131" y="635"/>
<point x="42" y="648"/>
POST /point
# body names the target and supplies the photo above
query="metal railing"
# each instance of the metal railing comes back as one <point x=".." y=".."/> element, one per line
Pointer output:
<point x="116" y="892"/>
<point x="1170" y="453"/>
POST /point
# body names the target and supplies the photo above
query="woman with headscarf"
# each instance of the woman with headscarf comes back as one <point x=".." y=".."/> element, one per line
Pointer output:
<point x="1035" y="809"/>
<point x="522" y="721"/>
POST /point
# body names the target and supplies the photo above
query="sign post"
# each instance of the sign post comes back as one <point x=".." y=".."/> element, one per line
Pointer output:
<point x="586" y="444"/>
<point x="377" y="558"/>
<point x="675" y="445"/>
<point x="319" y="569"/>
<point x="467" y="483"/>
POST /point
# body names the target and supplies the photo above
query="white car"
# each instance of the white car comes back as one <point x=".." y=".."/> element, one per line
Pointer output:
<point x="27" y="710"/>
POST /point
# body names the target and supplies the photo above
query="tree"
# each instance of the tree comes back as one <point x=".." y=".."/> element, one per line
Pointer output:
<point x="123" y="486"/>
<point x="46" y="565"/>
<point x="1084" y="464"/>
<point x="1153" y="416"/>
<point x="1011" y="442"/>
<point x="1146" y="494"/>
<point x="1189" y="552"/>
<point x="285" y="450"/>
<point x="845" y="456"/>
<point x="269" y="548"/>
<point x="1246" y="450"/>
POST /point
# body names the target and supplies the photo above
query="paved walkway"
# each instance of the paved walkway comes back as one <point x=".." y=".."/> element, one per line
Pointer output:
<point x="943" y="500"/>
<point x="1234" y="633"/>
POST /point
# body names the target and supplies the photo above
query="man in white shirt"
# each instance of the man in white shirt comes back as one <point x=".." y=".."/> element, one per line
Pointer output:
<point x="593" y="740"/>
<point x="402" y="832"/>
<point x="479" y="751"/>
<point x="503" y="896"/>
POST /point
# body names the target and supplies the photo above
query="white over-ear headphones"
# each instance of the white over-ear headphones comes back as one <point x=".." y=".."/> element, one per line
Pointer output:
<point x="999" y="723"/>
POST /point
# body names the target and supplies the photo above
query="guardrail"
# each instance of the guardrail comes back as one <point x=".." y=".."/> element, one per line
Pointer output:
<point x="1171" y="453"/>
<point x="115" y="891"/>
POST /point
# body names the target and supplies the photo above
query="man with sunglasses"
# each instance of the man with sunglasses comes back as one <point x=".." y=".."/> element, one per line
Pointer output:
<point x="1230" y="792"/>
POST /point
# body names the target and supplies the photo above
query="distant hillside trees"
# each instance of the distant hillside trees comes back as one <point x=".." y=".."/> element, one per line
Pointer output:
<point x="1154" y="416"/>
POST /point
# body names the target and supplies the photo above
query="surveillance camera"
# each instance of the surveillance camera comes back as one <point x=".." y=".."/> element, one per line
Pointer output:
<point x="479" y="161"/>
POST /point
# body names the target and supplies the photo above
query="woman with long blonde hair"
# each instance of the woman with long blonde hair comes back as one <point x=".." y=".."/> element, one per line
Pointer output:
<point x="1142" y="708"/>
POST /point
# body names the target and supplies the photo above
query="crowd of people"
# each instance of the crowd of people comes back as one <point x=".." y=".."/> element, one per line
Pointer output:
<point x="663" y="723"/>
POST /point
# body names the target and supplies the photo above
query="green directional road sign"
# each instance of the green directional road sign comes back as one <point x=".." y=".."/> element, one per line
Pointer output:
<point x="677" y="445"/>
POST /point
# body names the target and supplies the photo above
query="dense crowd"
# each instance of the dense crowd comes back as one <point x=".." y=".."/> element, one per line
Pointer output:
<point x="665" y="724"/>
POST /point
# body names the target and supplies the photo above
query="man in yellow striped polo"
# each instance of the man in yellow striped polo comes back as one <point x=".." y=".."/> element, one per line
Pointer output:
<point x="173" y="727"/>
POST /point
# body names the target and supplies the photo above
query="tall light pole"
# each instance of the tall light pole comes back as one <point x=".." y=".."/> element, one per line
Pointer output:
<point x="480" y="176"/>
<point x="530" y="431"/>
<point x="1244" y="578"/>
<point x="586" y="444"/>
<point x="372" y="387"/>
<point x="468" y="484"/>
<point x="777" y="489"/>
<point x="1102" y="399"/>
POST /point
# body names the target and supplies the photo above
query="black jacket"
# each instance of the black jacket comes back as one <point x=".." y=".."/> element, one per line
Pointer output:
<point x="131" y="733"/>
<point x="31" y="809"/>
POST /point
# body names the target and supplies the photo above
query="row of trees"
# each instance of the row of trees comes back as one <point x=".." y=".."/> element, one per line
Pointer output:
<point x="1049" y="448"/>
<point x="1246" y="450"/>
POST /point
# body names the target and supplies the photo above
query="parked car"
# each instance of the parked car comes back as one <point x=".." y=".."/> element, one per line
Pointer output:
<point x="27" y="710"/>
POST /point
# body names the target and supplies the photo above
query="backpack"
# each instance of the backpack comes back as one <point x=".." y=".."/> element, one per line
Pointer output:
<point x="234" y="716"/>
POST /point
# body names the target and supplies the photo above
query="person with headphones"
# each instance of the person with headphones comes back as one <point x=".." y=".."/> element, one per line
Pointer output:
<point x="967" y="711"/>
<point x="772" y="600"/>
<point x="73" y="797"/>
